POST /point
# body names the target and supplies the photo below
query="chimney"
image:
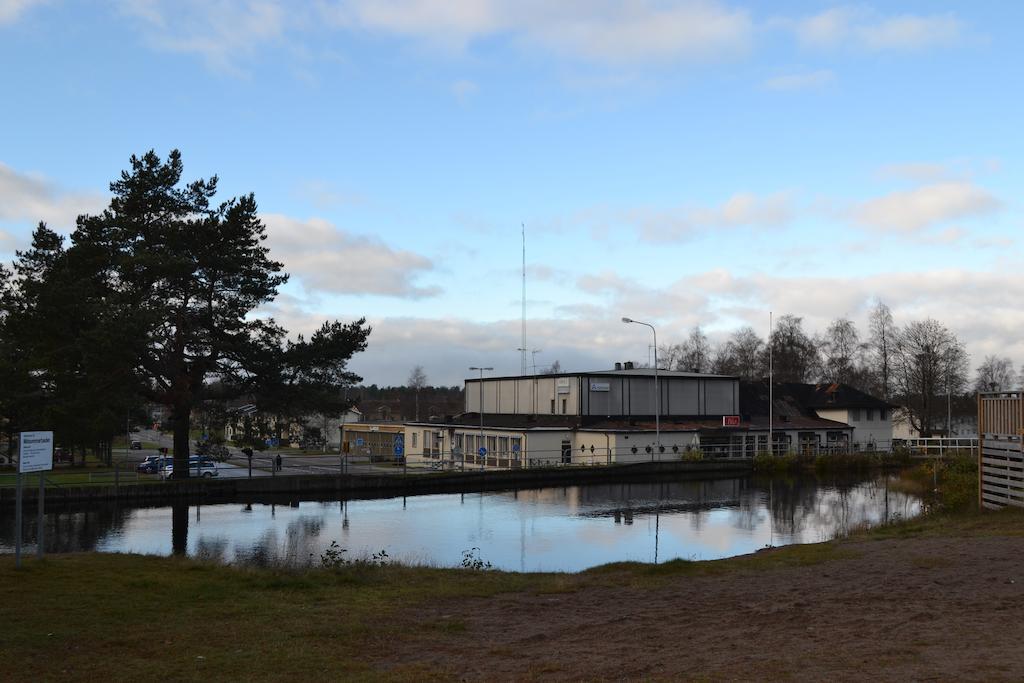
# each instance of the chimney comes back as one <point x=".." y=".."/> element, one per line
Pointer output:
<point x="629" y="365"/>
<point x="618" y="366"/>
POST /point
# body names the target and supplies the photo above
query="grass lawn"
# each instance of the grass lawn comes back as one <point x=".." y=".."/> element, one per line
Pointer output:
<point x="127" y="617"/>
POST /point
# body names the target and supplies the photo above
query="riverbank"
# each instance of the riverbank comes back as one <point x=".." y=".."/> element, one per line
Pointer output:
<point x="333" y="486"/>
<point x="927" y="598"/>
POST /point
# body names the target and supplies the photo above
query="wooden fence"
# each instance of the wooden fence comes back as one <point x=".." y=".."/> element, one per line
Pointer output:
<point x="1001" y="456"/>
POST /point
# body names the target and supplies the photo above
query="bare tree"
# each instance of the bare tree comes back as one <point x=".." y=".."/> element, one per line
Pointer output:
<point x="882" y="342"/>
<point x="842" y="354"/>
<point x="995" y="374"/>
<point x="694" y="353"/>
<point x="929" y="364"/>
<point x="417" y="380"/>
<point x="554" y="369"/>
<point x="794" y="355"/>
<point x="742" y="355"/>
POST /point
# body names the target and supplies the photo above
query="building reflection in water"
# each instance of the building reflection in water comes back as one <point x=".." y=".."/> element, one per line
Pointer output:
<point x="564" y="528"/>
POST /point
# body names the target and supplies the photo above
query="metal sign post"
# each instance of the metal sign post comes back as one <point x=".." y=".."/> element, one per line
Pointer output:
<point x="17" y="521"/>
<point x="35" y="454"/>
<point x="399" y="444"/>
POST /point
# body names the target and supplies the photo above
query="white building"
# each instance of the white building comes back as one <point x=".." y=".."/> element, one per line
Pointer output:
<point x="606" y="417"/>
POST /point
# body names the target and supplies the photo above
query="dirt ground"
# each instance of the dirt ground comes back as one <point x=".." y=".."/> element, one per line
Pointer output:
<point x="932" y="609"/>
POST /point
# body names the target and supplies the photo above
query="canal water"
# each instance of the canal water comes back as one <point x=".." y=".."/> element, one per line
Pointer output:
<point x="549" y="529"/>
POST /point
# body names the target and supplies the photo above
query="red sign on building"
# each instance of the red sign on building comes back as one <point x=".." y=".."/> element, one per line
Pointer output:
<point x="730" y="420"/>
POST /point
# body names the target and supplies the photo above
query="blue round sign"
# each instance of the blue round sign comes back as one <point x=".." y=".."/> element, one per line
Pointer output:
<point x="399" y="444"/>
<point x="482" y="451"/>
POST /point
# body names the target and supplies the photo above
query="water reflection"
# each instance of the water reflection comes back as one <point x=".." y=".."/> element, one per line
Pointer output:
<point x="553" y="529"/>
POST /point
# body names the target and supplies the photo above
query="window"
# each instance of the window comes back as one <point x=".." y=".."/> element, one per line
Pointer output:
<point x="517" y="445"/>
<point x="458" y="440"/>
<point x="503" y="445"/>
<point x="870" y="415"/>
<point x="428" y="445"/>
<point x="552" y="406"/>
<point x="414" y="439"/>
<point x="855" y="415"/>
<point x="492" y="444"/>
<point x="564" y="402"/>
<point x="882" y="415"/>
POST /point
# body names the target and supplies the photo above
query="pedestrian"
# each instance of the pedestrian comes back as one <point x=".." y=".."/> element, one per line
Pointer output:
<point x="278" y="462"/>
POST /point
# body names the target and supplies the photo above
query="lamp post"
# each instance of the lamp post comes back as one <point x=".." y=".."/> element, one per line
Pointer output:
<point x="657" y="393"/>
<point x="483" y="458"/>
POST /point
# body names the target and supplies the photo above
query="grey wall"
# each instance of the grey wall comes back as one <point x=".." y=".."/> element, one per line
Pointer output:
<point x="679" y="396"/>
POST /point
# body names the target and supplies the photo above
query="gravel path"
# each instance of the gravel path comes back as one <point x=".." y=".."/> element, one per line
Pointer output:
<point x="934" y="609"/>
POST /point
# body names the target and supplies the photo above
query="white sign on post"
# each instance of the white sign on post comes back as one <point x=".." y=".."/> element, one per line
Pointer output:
<point x="36" y="452"/>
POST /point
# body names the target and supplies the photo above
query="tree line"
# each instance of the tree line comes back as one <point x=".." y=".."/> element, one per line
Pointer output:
<point x="920" y="365"/>
<point x="157" y="300"/>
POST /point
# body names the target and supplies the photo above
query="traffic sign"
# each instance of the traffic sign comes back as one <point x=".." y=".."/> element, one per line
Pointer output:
<point x="399" y="444"/>
<point x="360" y="441"/>
<point x="482" y="451"/>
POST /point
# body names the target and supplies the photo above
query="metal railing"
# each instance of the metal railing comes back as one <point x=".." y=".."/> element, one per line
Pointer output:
<point x="940" y="446"/>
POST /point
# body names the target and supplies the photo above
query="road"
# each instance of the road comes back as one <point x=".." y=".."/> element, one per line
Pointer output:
<point x="237" y="465"/>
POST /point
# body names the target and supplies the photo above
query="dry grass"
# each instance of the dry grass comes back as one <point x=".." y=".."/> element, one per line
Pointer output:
<point x="129" y="617"/>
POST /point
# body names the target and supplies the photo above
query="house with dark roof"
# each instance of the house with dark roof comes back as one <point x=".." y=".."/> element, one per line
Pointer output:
<point x="870" y="417"/>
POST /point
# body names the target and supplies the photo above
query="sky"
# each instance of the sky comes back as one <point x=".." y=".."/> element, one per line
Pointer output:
<point x="679" y="162"/>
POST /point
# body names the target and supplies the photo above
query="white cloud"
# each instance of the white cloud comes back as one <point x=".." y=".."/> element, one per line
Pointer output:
<point x="620" y="34"/>
<point x="324" y="195"/>
<point x="12" y="10"/>
<point x="743" y="209"/>
<point x="221" y="32"/>
<point x="463" y="89"/>
<point x="598" y="31"/>
<point x="801" y="81"/>
<point x="913" y="210"/>
<point x="590" y="335"/>
<point x="327" y="259"/>
<point x="30" y="198"/>
<point x="865" y="29"/>
<point x="642" y="31"/>
<point x="917" y="171"/>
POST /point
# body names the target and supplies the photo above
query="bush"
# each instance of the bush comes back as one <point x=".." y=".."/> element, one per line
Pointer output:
<point x="692" y="455"/>
<point x="950" y="484"/>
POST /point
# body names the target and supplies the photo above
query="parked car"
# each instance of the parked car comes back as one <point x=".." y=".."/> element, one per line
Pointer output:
<point x="198" y="466"/>
<point x="151" y="465"/>
<point x="136" y="445"/>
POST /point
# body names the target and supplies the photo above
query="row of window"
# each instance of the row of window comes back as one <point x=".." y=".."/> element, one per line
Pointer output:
<point x="869" y="415"/>
<point x="433" y="443"/>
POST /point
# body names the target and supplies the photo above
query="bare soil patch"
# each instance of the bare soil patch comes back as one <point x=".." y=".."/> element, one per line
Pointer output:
<point x="927" y="608"/>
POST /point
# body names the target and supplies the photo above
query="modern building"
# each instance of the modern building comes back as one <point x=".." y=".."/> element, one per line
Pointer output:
<point x="605" y="417"/>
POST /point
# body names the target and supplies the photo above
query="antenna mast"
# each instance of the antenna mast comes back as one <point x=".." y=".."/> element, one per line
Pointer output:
<point x="771" y="397"/>
<point x="522" y="347"/>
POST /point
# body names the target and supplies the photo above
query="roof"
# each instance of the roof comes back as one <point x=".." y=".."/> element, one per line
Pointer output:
<point x="634" y="372"/>
<point x="793" y="398"/>
<point x="781" y="421"/>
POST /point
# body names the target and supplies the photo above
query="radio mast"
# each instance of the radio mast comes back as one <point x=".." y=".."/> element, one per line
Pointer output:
<point x="522" y="347"/>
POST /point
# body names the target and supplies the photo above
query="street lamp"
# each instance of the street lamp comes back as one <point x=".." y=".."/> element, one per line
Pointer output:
<point x="657" y="394"/>
<point x="483" y="458"/>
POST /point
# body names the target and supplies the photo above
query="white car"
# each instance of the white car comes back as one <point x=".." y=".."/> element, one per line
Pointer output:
<point x="199" y="466"/>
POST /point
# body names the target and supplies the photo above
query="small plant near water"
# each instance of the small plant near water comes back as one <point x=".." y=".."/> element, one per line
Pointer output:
<point x="334" y="558"/>
<point x="692" y="455"/>
<point x="471" y="560"/>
